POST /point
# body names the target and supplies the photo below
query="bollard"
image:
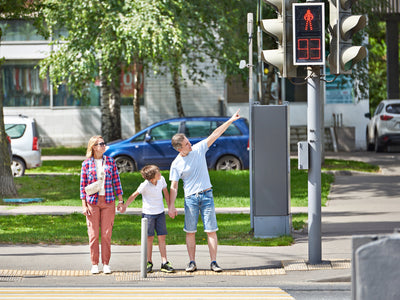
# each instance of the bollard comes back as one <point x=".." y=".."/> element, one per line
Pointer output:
<point x="143" y="255"/>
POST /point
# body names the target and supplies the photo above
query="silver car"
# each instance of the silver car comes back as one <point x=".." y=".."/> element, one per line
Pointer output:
<point x="26" y="153"/>
<point x="383" y="128"/>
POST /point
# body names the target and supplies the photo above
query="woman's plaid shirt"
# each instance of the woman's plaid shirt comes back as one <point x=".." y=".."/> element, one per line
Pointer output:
<point x="112" y="181"/>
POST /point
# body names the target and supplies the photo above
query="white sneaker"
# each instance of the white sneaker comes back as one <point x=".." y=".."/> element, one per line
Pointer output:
<point x="95" y="269"/>
<point x="106" y="269"/>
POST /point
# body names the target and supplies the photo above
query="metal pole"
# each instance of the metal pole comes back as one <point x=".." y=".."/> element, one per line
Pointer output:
<point x="314" y="172"/>
<point x="250" y="42"/>
<point x="260" y="69"/>
<point x="143" y="249"/>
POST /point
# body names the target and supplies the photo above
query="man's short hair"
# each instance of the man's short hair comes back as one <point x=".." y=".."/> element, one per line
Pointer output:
<point x="177" y="140"/>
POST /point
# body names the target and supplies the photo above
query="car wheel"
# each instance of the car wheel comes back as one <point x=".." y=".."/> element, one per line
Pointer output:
<point x="18" y="167"/>
<point x="228" y="162"/>
<point x="378" y="146"/>
<point x="125" y="164"/>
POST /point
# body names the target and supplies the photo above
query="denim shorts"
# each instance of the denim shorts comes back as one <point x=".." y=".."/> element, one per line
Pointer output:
<point x="157" y="223"/>
<point x="200" y="203"/>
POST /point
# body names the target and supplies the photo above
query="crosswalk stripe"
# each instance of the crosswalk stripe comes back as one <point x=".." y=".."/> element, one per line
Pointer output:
<point x="149" y="293"/>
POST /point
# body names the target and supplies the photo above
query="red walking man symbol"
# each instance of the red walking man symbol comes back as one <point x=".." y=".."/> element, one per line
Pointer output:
<point x="308" y="16"/>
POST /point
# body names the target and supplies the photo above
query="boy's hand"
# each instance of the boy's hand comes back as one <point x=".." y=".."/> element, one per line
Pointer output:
<point x="172" y="212"/>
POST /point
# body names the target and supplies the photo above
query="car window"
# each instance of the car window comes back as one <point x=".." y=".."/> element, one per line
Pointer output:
<point x="15" y="131"/>
<point x="378" y="109"/>
<point x="231" y="131"/>
<point x="139" y="138"/>
<point x="393" y="108"/>
<point x="164" y="131"/>
<point x="195" y="129"/>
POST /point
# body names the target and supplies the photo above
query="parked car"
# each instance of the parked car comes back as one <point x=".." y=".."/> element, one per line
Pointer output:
<point x="152" y="145"/>
<point x="26" y="153"/>
<point x="383" y="129"/>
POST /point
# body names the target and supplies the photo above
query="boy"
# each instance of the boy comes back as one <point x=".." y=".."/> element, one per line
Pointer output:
<point x="153" y="209"/>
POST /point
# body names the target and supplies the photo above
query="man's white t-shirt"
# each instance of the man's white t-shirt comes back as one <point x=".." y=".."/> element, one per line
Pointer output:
<point x="152" y="196"/>
<point x="192" y="169"/>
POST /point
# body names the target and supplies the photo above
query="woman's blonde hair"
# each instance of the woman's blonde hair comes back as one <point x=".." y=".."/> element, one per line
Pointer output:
<point x="91" y="143"/>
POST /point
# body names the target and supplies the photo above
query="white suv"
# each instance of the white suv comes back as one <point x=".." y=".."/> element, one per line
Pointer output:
<point x="383" y="128"/>
<point x="24" y="136"/>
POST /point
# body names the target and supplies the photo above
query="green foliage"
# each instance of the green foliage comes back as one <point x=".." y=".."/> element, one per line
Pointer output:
<point x="377" y="66"/>
<point x="103" y="35"/>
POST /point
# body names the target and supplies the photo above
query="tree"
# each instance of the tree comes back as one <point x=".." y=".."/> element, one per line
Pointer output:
<point x="11" y="10"/>
<point x="209" y="33"/>
<point x="104" y="36"/>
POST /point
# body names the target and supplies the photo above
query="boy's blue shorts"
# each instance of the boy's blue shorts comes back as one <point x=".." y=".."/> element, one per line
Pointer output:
<point x="156" y="223"/>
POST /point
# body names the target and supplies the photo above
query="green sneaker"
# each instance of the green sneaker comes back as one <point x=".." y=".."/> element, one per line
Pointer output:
<point x="167" y="268"/>
<point x="149" y="267"/>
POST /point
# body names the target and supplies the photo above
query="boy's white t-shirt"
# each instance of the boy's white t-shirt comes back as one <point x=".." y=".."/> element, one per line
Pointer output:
<point x="152" y="196"/>
<point x="192" y="169"/>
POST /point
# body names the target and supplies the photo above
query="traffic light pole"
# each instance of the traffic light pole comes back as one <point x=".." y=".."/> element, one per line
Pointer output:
<point x="314" y="171"/>
<point x="251" y="102"/>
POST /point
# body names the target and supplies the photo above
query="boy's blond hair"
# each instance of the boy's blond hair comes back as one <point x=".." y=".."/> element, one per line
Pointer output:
<point x="149" y="172"/>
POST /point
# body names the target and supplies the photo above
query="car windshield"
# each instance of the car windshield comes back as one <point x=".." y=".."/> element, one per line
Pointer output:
<point x="393" y="108"/>
<point x="15" y="131"/>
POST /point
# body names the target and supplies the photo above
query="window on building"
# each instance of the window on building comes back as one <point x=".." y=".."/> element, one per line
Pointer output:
<point x="22" y="86"/>
<point x="19" y="30"/>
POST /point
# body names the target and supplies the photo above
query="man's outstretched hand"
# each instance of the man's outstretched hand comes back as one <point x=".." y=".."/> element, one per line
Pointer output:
<point x="235" y="116"/>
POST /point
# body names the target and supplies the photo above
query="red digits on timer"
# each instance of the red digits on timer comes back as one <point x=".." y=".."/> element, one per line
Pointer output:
<point x="309" y="48"/>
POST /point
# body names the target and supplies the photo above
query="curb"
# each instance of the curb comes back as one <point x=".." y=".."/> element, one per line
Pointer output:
<point x="286" y="266"/>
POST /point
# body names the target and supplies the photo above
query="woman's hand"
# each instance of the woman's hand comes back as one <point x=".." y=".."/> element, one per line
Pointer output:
<point x="121" y="207"/>
<point x="86" y="211"/>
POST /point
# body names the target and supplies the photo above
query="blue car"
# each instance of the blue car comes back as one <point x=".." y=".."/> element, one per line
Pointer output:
<point x="152" y="145"/>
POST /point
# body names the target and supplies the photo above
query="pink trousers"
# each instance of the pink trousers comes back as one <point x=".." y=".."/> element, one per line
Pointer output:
<point x="101" y="217"/>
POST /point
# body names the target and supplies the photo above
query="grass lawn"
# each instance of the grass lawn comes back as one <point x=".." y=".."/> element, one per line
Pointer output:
<point x="231" y="189"/>
<point x="234" y="229"/>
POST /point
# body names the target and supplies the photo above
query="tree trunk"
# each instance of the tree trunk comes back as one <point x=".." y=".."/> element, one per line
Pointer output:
<point x="136" y="99"/>
<point x="267" y="95"/>
<point x="115" y="107"/>
<point x="106" y="123"/>
<point x="7" y="186"/>
<point x="110" y="102"/>
<point x="177" y="89"/>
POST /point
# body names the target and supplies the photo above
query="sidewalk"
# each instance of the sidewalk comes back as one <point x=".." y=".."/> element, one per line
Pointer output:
<point x="359" y="204"/>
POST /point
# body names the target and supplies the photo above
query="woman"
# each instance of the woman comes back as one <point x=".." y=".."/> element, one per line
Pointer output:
<point x="99" y="208"/>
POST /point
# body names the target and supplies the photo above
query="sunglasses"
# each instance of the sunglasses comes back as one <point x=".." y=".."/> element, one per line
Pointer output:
<point x="102" y="144"/>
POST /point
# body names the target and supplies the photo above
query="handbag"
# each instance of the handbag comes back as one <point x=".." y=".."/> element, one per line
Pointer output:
<point x="96" y="186"/>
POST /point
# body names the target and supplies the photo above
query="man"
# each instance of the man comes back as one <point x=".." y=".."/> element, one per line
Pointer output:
<point x="190" y="165"/>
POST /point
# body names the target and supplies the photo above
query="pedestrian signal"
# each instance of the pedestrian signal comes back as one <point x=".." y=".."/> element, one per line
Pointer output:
<point x="309" y="34"/>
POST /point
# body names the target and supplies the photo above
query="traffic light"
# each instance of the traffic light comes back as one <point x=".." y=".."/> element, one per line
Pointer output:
<point x="343" y="25"/>
<point x="281" y="29"/>
<point x="309" y="34"/>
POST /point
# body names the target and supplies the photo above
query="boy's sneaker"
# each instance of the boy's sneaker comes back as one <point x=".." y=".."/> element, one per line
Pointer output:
<point x="149" y="267"/>
<point x="214" y="267"/>
<point x="167" y="268"/>
<point x="191" y="267"/>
